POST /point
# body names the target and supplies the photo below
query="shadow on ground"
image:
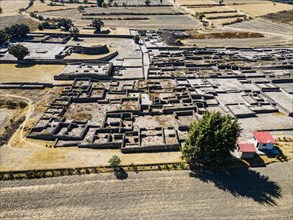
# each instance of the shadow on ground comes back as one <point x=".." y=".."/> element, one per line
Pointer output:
<point x="120" y="173"/>
<point x="242" y="182"/>
<point x="24" y="65"/>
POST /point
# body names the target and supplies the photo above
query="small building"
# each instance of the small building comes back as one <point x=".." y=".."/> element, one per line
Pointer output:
<point x="263" y="140"/>
<point x="247" y="149"/>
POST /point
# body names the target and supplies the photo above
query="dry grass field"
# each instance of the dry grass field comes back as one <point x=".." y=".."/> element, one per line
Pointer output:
<point x="256" y="10"/>
<point x="11" y="7"/>
<point x="8" y="21"/>
<point x="41" y="7"/>
<point x="36" y="73"/>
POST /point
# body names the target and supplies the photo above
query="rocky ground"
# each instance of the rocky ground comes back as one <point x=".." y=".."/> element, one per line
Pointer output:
<point x="259" y="193"/>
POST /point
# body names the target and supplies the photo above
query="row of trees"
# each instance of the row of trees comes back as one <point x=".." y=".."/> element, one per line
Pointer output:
<point x="67" y="24"/>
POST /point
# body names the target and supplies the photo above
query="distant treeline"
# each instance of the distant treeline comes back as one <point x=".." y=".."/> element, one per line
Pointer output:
<point x="284" y="1"/>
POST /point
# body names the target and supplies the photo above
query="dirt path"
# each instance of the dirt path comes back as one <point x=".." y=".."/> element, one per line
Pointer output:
<point x="27" y="116"/>
<point x="259" y="193"/>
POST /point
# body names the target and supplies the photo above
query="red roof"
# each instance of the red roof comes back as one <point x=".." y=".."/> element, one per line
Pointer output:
<point x="264" y="137"/>
<point x="246" y="147"/>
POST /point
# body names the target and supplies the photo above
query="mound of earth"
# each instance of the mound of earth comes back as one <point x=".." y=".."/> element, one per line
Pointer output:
<point x="281" y="17"/>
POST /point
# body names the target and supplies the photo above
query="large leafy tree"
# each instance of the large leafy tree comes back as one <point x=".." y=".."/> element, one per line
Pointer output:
<point x="66" y="23"/>
<point x="17" y="31"/>
<point x="211" y="139"/>
<point x="19" y="51"/>
<point x="97" y="24"/>
<point x="3" y="37"/>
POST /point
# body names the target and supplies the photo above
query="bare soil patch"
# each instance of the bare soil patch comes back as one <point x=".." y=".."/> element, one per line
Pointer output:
<point x="225" y="35"/>
<point x="281" y="17"/>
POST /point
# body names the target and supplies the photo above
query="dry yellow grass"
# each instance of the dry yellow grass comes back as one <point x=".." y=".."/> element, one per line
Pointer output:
<point x="11" y="7"/>
<point x="36" y="73"/>
<point x="48" y="156"/>
<point x="262" y="9"/>
<point x="41" y="7"/>
<point x="196" y="2"/>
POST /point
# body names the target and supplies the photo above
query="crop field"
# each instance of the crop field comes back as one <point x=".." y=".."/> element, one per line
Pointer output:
<point x="157" y="17"/>
<point x="264" y="26"/>
<point x="244" y="42"/>
<point x="195" y="2"/>
<point x="36" y="73"/>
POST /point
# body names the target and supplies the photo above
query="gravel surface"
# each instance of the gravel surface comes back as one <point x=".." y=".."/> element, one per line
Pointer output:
<point x="259" y="193"/>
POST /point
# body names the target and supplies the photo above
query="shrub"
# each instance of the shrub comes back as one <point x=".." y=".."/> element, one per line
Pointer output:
<point x="10" y="104"/>
<point x="22" y="104"/>
<point x="66" y="23"/>
<point x="46" y="24"/>
<point x="80" y="8"/>
<point x="136" y="38"/>
<point x="40" y="17"/>
<point x="114" y="161"/>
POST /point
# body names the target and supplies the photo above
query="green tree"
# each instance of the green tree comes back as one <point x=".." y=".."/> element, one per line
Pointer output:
<point x="22" y="104"/>
<point x="3" y="37"/>
<point x="200" y="15"/>
<point x="1" y="10"/>
<point x="211" y="139"/>
<point x="97" y="24"/>
<point x="74" y="32"/>
<point x="21" y="10"/>
<point x="147" y="2"/>
<point x="221" y="2"/>
<point x="17" y="31"/>
<point x="80" y="8"/>
<point x="115" y="161"/>
<point x="136" y="38"/>
<point x="45" y="24"/>
<point x="100" y="3"/>
<point x="66" y="23"/>
<point x="19" y="51"/>
<point x="40" y="27"/>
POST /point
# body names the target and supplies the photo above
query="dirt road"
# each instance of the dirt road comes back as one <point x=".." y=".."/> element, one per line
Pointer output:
<point x="262" y="193"/>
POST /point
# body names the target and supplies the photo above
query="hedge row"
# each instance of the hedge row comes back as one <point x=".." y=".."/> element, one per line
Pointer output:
<point x="131" y="13"/>
<point x="37" y="174"/>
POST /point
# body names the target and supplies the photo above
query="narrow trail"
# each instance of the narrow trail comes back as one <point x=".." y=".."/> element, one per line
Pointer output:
<point x="27" y="116"/>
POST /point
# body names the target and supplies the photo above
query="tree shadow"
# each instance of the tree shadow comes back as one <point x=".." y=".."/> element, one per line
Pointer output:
<point x="257" y="161"/>
<point x="120" y="173"/>
<point x="24" y="65"/>
<point x="242" y="182"/>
